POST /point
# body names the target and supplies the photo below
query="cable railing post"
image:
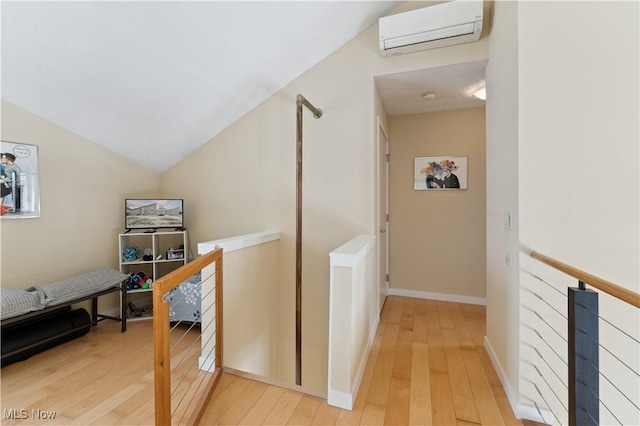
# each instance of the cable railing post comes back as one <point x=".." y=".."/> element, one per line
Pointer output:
<point x="584" y="395"/>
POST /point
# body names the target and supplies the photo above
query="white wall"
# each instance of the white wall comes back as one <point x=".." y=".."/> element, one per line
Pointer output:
<point x="563" y="162"/>
<point x="579" y="134"/>
<point x="502" y="195"/>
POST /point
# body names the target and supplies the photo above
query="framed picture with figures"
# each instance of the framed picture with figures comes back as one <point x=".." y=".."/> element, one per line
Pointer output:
<point x="440" y="173"/>
<point x="20" y="193"/>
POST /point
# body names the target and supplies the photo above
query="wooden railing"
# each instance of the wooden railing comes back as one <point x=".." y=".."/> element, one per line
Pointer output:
<point x="614" y="290"/>
<point x="585" y="376"/>
<point x="207" y="376"/>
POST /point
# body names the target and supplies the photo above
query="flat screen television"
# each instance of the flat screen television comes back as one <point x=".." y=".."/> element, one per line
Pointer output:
<point x="153" y="214"/>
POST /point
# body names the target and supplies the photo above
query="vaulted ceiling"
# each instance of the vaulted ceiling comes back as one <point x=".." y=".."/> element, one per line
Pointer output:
<point x="153" y="81"/>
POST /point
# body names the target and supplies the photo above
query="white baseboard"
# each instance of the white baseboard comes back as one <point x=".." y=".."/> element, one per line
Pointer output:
<point x="531" y="413"/>
<point x="275" y="382"/>
<point x="363" y="362"/>
<point x="207" y="364"/>
<point x="511" y="395"/>
<point x="437" y="296"/>
<point x="344" y="400"/>
<point x="521" y="411"/>
<point x="115" y="312"/>
<point x="340" y="400"/>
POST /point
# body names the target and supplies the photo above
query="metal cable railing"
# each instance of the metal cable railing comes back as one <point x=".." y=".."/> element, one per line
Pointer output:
<point x="580" y="350"/>
<point x="187" y="339"/>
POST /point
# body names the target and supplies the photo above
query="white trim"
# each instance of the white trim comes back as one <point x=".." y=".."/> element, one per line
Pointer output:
<point x="521" y="411"/>
<point x="238" y="242"/>
<point x="383" y="285"/>
<point x="207" y="364"/>
<point x="340" y="400"/>
<point x="511" y="395"/>
<point x="344" y="400"/>
<point x="275" y="382"/>
<point x="438" y="296"/>
<point x="351" y="252"/>
<point x="363" y="363"/>
<point x="531" y="413"/>
<point x="115" y="312"/>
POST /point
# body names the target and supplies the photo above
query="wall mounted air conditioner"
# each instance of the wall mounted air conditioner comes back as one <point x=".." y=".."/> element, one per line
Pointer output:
<point x="445" y="24"/>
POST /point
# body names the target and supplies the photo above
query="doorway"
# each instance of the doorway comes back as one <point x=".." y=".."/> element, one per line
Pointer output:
<point x="431" y="113"/>
<point x="383" y="213"/>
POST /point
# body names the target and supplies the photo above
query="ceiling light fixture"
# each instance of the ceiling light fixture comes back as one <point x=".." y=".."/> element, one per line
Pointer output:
<point x="428" y="95"/>
<point x="481" y="93"/>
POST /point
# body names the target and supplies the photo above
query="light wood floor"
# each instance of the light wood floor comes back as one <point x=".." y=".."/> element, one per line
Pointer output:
<point x="427" y="366"/>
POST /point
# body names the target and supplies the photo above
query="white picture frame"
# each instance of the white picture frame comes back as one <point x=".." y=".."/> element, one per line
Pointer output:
<point x="440" y="173"/>
<point x="20" y="198"/>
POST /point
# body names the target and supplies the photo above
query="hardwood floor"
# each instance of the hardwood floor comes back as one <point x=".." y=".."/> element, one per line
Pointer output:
<point x="427" y="366"/>
<point x="104" y="377"/>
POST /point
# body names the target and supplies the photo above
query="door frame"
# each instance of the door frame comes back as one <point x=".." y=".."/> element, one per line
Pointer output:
<point x="382" y="184"/>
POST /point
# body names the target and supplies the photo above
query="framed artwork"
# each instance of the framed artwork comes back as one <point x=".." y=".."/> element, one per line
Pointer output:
<point x="20" y="193"/>
<point x="440" y="173"/>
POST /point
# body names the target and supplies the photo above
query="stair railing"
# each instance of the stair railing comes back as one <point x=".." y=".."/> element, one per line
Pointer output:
<point x="187" y="358"/>
<point x="600" y="381"/>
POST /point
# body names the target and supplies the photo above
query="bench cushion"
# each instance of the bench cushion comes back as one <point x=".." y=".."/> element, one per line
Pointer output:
<point x="14" y="302"/>
<point x="81" y="285"/>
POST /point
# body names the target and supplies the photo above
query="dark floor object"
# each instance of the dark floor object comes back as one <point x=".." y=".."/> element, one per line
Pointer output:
<point x="24" y="339"/>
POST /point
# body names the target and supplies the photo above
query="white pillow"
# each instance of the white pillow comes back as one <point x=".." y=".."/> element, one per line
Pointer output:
<point x="14" y="302"/>
<point x="81" y="285"/>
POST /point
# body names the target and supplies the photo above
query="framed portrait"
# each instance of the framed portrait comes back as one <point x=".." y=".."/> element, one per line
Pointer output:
<point x="20" y="194"/>
<point x="440" y="173"/>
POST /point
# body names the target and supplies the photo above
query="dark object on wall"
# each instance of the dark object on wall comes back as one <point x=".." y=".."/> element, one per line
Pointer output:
<point x="24" y="339"/>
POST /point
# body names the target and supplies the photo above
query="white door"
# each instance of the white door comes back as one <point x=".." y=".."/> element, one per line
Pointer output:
<point x="383" y="212"/>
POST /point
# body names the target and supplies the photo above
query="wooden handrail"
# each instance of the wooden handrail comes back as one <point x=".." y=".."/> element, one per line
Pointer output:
<point x="614" y="290"/>
<point x="174" y="278"/>
<point x="162" y="356"/>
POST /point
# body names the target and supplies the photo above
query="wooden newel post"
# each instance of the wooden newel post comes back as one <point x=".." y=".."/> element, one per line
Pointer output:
<point x="584" y="394"/>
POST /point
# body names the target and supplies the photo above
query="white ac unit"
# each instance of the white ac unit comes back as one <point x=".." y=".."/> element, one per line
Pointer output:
<point x="445" y="24"/>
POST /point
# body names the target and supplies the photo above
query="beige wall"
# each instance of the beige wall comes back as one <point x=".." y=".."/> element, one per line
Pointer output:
<point x="437" y="238"/>
<point x="250" y="275"/>
<point x="546" y="131"/>
<point x="243" y="180"/>
<point x="503" y="289"/>
<point x="567" y="142"/>
<point x="82" y="192"/>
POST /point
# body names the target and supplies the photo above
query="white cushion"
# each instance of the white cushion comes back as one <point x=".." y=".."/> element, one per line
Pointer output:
<point x="81" y="285"/>
<point x="14" y="302"/>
